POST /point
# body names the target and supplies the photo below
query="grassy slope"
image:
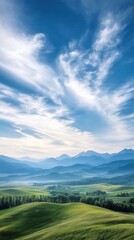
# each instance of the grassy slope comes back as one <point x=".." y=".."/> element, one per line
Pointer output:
<point x="64" y="222"/>
<point x="21" y="191"/>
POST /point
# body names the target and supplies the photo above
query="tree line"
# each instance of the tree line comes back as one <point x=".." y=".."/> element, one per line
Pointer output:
<point x="126" y="206"/>
<point x="123" y="195"/>
<point x="12" y="201"/>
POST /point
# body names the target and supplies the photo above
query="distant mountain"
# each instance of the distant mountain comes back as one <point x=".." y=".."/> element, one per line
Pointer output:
<point x="90" y="153"/>
<point x="76" y="167"/>
<point x="127" y="179"/>
<point x="123" y="155"/>
<point x="92" y="160"/>
<point x="127" y="168"/>
<point x="48" y="163"/>
<point x="63" y="156"/>
<point x="126" y="151"/>
<point x="88" y="157"/>
<point x="115" y="168"/>
<point x="12" y="166"/>
<point x="81" y="171"/>
<point x="55" y="177"/>
<point x="8" y="159"/>
<point x="29" y="159"/>
<point x="64" y="169"/>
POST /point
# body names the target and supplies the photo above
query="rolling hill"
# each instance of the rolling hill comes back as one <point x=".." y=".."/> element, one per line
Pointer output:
<point x="49" y="221"/>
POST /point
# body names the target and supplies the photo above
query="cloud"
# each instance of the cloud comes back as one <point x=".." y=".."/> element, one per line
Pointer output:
<point x="35" y="116"/>
<point x="86" y="73"/>
<point x="108" y="34"/>
<point x="19" y="55"/>
<point x="76" y="81"/>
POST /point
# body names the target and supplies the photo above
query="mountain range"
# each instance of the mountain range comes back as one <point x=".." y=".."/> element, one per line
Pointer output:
<point x="66" y="168"/>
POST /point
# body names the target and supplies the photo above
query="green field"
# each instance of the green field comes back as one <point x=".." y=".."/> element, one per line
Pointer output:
<point x="64" y="222"/>
<point x="111" y="190"/>
<point x="15" y="190"/>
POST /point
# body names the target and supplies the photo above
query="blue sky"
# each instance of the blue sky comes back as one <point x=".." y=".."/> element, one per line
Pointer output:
<point x="66" y="76"/>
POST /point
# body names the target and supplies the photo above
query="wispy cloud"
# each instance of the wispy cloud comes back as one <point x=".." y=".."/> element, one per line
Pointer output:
<point x="107" y="37"/>
<point x="19" y="55"/>
<point x="76" y="81"/>
<point x="86" y="72"/>
<point x="33" y="114"/>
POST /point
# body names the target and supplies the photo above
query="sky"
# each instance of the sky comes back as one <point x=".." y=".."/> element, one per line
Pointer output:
<point x="66" y="77"/>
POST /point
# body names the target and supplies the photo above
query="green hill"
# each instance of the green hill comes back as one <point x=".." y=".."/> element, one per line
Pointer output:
<point x="75" y="221"/>
<point x="21" y="191"/>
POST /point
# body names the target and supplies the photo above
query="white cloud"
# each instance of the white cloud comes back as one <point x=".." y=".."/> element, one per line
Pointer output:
<point x="80" y="76"/>
<point x="19" y="56"/>
<point x="86" y="85"/>
<point x="104" y="67"/>
<point x="108" y="34"/>
<point x="34" y="115"/>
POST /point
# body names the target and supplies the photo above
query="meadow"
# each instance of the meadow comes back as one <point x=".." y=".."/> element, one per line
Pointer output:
<point x="78" y="221"/>
<point x="64" y="221"/>
<point x="111" y="190"/>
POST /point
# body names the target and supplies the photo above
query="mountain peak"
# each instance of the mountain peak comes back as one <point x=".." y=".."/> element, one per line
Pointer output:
<point x="6" y="158"/>
<point x="63" y="156"/>
<point x="126" y="150"/>
<point x="90" y="153"/>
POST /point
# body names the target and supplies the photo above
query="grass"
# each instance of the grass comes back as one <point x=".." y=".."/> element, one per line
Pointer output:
<point x="111" y="190"/>
<point x="21" y="191"/>
<point x="92" y="187"/>
<point x="39" y="221"/>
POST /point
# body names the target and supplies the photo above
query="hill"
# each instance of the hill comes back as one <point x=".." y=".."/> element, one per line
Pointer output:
<point x="64" y="222"/>
<point x="12" y="166"/>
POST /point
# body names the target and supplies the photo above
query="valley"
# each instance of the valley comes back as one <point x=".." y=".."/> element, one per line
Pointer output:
<point x="84" y="197"/>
